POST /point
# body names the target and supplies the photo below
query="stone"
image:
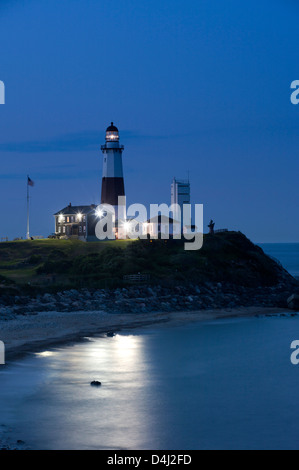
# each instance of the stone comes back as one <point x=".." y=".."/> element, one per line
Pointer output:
<point x="293" y="302"/>
<point x="76" y="305"/>
<point x="95" y="383"/>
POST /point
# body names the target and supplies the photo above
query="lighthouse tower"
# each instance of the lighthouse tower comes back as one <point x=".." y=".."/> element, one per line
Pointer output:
<point x="113" y="179"/>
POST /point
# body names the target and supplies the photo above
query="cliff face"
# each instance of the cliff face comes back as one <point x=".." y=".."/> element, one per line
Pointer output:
<point x="233" y="257"/>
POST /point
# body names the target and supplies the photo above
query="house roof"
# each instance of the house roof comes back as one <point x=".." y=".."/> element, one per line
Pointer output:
<point x="74" y="210"/>
<point x="162" y="219"/>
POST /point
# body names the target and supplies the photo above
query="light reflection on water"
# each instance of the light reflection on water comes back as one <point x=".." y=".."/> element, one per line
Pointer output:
<point x="60" y="406"/>
<point x="227" y="384"/>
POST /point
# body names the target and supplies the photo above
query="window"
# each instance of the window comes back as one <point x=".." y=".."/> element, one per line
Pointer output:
<point x="84" y="228"/>
<point x="64" y="229"/>
<point x="68" y="220"/>
<point x="80" y="229"/>
<point x="59" y="229"/>
<point x="84" y="218"/>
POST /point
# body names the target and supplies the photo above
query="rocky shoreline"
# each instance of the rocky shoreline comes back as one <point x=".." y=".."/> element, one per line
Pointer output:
<point x="148" y="299"/>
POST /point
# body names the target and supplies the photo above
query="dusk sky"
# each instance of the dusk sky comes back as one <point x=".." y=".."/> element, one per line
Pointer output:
<point x="195" y="85"/>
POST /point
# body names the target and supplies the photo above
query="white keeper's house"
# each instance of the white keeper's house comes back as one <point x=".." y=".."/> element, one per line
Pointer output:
<point x="76" y="222"/>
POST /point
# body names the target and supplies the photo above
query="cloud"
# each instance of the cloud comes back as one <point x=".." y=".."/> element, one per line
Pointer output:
<point x="76" y="142"/>
<point x="66" y="143"/>
<point x="49" y="175"/>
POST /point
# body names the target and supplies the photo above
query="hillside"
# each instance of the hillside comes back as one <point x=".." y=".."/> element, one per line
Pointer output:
<point x="54" y="264"/>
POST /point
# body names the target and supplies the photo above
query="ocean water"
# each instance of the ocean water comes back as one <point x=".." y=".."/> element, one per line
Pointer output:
<point x="218" y="385"/>
<point x="213" y="385"/>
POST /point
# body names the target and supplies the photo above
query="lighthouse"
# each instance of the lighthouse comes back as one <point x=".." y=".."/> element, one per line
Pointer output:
<point x="113" y="179"/>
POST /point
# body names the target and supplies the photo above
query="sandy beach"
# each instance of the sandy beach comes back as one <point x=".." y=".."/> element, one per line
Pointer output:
<point x="34" y="333"/>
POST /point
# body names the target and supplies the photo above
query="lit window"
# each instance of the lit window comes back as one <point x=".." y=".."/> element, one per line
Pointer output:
<point x="59" y="229"/>
<point x="63" y="229"/>
<point x="68" y="219"/>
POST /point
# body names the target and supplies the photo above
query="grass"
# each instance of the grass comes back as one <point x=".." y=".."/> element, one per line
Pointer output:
<point x="70" y="263"/>
<point x="16" y="257"/>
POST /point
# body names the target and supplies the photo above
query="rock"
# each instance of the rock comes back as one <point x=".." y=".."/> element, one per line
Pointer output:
<point x="76" y="305"/>
<point x="22" y="311"/>
<point x="293" y="302"/>
<point x="151" y="292"/>
<point x="73" y="292"/>
<point x="48" y="298"/>
<point x="95" y="383"/>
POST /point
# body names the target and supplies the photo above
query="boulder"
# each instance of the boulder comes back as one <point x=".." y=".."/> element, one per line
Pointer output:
<point x="293" y="302"/>
<point x="95" y="383"/>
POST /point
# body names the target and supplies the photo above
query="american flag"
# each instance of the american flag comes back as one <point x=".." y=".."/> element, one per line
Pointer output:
<point x="30" y="182"/>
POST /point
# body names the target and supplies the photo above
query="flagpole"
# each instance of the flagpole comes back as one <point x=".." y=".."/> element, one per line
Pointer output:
<point x="28" y="214"/>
